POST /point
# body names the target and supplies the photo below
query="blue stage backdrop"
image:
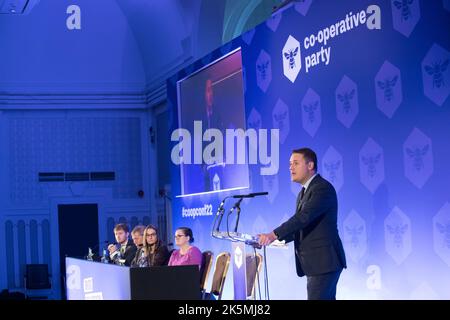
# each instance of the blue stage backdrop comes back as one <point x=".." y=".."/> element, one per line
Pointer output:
<point x="365" y="84"/>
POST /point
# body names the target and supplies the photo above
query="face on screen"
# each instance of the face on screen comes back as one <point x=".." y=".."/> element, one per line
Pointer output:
<point x="220" y="107"/>
<point x="121" y="236"/>
<point x="209" y="93"/>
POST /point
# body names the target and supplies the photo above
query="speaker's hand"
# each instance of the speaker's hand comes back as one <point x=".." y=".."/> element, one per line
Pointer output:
<point x="266" y="238"/>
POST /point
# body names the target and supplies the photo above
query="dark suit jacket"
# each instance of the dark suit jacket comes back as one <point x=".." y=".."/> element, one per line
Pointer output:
<point x="213" y="122"/>
<point x="160" y="257"/>
<point x="134" y="262"/>
<point x="313" y="228"/>
<point x="128" y="255"/>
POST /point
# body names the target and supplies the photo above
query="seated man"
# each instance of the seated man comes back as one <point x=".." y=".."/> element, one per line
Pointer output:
<point x="124" y="251"/>
<point x="138" y="238"/>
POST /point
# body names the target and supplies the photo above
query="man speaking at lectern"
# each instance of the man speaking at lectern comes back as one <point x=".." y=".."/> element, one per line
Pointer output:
<point x="319" y="253"/>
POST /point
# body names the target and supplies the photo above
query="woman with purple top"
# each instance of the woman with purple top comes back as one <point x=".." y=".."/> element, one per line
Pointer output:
<point x="187" y="254"/>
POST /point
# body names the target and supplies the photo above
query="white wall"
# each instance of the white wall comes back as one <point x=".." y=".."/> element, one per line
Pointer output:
<point x="69" y="141"/>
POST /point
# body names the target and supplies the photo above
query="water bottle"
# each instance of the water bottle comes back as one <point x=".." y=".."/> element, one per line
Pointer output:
<point x="104" y="258"/>
<point x="90" y="254"/>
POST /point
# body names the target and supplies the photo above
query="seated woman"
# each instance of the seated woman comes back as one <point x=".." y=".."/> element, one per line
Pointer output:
<point x="187" y="254"/>
<point x="154" y="252"/>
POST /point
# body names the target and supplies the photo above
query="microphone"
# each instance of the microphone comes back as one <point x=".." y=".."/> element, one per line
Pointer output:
<point x="237" y="205"/>
<point x="251" y="195"/>
<point x="221" y="205"/>
<point x="220" y="213"/>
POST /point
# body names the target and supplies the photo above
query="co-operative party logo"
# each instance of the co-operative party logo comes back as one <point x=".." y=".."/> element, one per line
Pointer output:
<point x="238" y="259"/>
<point x="292" y="62"/>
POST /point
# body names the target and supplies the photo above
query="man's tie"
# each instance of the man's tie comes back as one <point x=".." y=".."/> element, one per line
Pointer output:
<point x="302" y="193"/>
<point x="300" y="197"/>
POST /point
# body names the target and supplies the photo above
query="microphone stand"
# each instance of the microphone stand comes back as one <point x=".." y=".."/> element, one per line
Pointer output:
<point x="237" y="207"/>
<point x="238" y="213"/>
<point x="220" y="212"/>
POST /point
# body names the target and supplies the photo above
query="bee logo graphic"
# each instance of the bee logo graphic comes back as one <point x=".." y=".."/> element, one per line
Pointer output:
<point x="398" y="232"/>
<point x="417" y="155"/>
<point x="354" y="232"/>
<point x="270" y="182"/>
<point x="435" y="70"/>
<point x="404" y="6"/>
<point x="446" y="231"/>
<point x="345" y="99"/>
<point x="387" y="85"/>
<point x="371" y="162"/>
<point x="310" y="109"/>
<point x="332" y="167"/>
<point x="279" y="119"/>
<point x="262" y="68"/>
<point x="256" y="124"/>
<point x="290" y="56"/>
